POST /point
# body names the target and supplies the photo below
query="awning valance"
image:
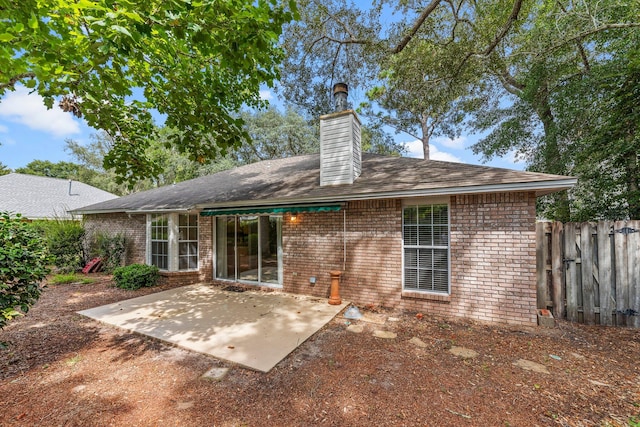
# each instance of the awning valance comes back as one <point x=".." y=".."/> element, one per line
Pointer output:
<point x="271" y="210"/>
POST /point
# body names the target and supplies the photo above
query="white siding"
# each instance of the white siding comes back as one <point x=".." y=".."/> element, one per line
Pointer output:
<point x="340" y="153"/>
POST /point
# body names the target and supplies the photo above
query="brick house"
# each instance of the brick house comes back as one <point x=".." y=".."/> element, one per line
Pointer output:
<point x="446" y="239"/>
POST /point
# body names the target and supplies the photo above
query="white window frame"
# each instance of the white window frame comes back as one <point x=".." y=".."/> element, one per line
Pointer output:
<point x="173" y="224"/>
<point x="417" y="202"/>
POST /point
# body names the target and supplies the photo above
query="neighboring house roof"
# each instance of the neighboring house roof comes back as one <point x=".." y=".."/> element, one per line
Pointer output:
<point x="41" y="197"/>
<point x="296" y="180"/>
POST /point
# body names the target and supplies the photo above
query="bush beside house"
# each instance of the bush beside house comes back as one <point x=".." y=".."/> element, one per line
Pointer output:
<point x="136" y="276"/>
<point x="24" y="261"/>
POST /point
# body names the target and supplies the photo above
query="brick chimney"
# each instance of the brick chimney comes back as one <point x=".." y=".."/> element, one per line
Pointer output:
<point x="340" y="152"/>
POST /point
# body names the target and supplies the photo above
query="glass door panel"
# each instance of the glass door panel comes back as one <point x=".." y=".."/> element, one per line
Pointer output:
<point x="225" y="248"/>
<point x="270" y="238"/>
<point x="248" y="248"/>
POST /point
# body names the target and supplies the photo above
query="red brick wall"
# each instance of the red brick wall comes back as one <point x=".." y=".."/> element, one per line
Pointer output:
<point x="314" y="244"/>
<point x="493" y="247"/>
<point x="132" y="226"/>
<point x="492" y="257"/>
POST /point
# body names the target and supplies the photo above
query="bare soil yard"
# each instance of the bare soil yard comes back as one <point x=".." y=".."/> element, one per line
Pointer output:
<point x="60" y="368"/>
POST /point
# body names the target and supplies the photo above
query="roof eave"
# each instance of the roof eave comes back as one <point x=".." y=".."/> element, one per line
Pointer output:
<point x="540" y="187"/>
<point x="133" y="211"/>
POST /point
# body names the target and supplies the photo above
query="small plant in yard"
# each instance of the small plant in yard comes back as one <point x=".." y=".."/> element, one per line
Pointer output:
<point x="61" y="279"/>
<point x="136" y="276"/>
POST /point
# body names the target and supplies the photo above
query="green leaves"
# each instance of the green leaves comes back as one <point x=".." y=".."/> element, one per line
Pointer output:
<point x="198" y="63"/>
<point x="23" y="265"/>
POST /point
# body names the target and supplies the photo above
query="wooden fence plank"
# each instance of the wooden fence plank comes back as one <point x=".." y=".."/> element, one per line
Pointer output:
<point x="571" y="284"/>
<point x="605" y="273"/>
<point x="622" y="272"/>
<point x="557" y="269"/>
<point x="541" y="264"/>
<point x="595" y="268"/>
<point x="588" y="300"/>
<point x="633" y="247"/>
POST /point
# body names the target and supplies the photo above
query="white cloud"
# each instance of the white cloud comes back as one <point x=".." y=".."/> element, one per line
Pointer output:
<point x="515" y="158"/>
<point x="29" y="109"/>
<point x="456" y="143"/>
<point x="436" y="154"/>
<point x="414" y="149"/>
<point x="266" y="95"/>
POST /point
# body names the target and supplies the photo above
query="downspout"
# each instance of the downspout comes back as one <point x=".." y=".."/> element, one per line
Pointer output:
<point x="344" y="239"/>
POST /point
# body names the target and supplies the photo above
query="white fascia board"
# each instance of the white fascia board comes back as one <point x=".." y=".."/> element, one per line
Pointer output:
<point x="138" y="211"/>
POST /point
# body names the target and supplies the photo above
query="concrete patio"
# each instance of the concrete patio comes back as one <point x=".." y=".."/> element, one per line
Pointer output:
<point x="252" y="328"/>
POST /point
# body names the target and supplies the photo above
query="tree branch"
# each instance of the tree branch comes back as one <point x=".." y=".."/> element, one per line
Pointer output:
<point x="586" y="33"/>
<point x="416" y="26"/>
<point x="515" y="10"/>
<point x="510" y="84"/>
<point x="12" y="81"/>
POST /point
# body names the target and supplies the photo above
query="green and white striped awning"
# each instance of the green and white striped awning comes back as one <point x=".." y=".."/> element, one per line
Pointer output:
<point x="271" y="210"/>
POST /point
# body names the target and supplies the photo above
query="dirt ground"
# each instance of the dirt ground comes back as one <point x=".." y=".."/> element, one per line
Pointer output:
<point x="60" y="368"/>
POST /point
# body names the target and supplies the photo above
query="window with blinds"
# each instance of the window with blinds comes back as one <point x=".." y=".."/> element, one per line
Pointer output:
<point x="425" y="232"/>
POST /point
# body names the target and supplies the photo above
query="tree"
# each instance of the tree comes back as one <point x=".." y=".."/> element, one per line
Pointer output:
<point x="409" y="70"/>
<point x="64" y="170"/>
<point x="195" y="62"/>
<point x="23" y="266"/>
<point x="552" y="64"/>
<point x="173" y="166"/>
<point x="4" y="170"/>
<point x="276" y="135"/>
<point x="375" y="140"/>
<point x="519" y="71"/>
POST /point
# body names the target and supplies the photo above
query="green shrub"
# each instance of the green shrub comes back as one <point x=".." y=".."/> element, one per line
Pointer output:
<point x="23" y="265"/>
<point x="64" y="240"/>
<point x="111" y="248"/>
<point x="136" y="276"/>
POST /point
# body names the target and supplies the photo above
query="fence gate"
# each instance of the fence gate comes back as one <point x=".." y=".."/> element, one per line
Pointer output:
<point x="590" y="272"/>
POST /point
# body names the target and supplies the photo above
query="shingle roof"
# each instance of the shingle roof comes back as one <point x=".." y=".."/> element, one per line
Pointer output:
<point x="39" y="197"/>
<point x="297" y="180"/>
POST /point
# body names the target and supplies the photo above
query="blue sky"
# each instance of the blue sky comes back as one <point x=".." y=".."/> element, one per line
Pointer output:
<point x="28" y="131"/>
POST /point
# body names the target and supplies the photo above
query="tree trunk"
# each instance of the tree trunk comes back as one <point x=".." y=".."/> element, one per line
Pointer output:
<point x="632" y="172"/>
<point x="553" y="161"/>
<point x="426" y="135"/>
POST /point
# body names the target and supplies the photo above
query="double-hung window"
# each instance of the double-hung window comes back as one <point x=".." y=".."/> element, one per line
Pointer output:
<point x="173" y="241"/>
<point x="425" y="233"/>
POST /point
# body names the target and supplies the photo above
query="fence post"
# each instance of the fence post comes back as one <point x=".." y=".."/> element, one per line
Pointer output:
<point x="557" y="267"/>
<point x="622" y="273"/>
<point x="541" y="264"/>
<point x="634" y="273"/>
<point x="604" y="272"/>
<point x="571" y="278"/>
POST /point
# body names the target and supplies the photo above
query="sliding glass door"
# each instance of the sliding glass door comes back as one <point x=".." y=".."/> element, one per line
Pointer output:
<point x="249" y="249"/>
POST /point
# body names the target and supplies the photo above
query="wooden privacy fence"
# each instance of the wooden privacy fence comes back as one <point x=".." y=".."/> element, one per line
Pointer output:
<point x="590" y="272"/>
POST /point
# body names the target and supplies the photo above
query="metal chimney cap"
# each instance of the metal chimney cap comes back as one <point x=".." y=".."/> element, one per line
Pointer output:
<point x="340" y="88"/>
<point x="340" y="94"/>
